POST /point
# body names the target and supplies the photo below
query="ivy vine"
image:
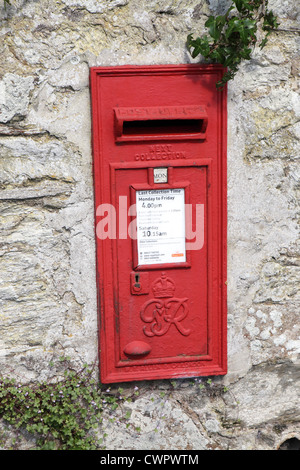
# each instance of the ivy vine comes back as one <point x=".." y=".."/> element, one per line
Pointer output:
<point x="75" y="411"/>
<point x="232" y="37"/>
<point x="63" y="415"/>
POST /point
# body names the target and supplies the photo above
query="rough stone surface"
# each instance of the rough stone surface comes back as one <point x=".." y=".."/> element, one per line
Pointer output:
<point x="14" y="93"/>
<point x="48" y="295"/>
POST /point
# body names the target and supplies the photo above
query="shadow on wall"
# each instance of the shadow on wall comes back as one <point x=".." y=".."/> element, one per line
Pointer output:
<point x="290" y="444"/>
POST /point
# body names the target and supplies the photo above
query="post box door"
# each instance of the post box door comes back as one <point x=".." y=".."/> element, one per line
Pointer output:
<point x="160" y="221"/>
<point x="165" y="315"/>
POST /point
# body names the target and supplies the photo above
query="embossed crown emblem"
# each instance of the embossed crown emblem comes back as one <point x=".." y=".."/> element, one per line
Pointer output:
<point x="163" y="287"/>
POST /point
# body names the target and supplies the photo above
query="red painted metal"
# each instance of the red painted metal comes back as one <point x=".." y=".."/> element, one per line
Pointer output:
<point x="160" y="319"/>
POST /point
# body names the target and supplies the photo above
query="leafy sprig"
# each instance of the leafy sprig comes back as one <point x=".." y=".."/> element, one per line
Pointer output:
<point x="232" y="37"/>
<point x="63" y="415"/>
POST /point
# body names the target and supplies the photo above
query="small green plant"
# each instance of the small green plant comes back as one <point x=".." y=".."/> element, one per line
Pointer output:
<point x="61" y="416"/>
<point x="233" y="36"/>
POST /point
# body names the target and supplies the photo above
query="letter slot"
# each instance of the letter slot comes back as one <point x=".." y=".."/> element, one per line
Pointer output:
<point x="160" y="123"/>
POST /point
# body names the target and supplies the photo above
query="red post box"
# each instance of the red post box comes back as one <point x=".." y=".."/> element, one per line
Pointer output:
<point x="159" y="146"/>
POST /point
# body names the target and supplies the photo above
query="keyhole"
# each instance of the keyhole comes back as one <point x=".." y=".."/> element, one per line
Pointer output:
<point x="137" y="284"/>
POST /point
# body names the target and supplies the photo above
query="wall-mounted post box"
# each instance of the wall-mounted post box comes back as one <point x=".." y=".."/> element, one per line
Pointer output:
<point x="159" y="144"/>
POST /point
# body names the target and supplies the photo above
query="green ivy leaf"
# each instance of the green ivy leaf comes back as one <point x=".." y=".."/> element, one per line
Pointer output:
<point x="239" y="4"/>
<point x="263" y="43"/>
<point x="233" y="27"/>
<point x="215" y="26"/>
<point x="245" y="53"/>
<point x="270" y="21"/>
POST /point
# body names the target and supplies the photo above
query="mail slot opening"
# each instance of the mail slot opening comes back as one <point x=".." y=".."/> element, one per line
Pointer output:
<point x="163" y="127"/>
<point x="160" y="123"/>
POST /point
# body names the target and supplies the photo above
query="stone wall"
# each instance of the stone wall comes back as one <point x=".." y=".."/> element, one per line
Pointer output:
<point x="48" y="296"/>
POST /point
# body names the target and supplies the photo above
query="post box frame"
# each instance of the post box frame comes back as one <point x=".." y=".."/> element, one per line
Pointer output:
<point x="215" y="362"/>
